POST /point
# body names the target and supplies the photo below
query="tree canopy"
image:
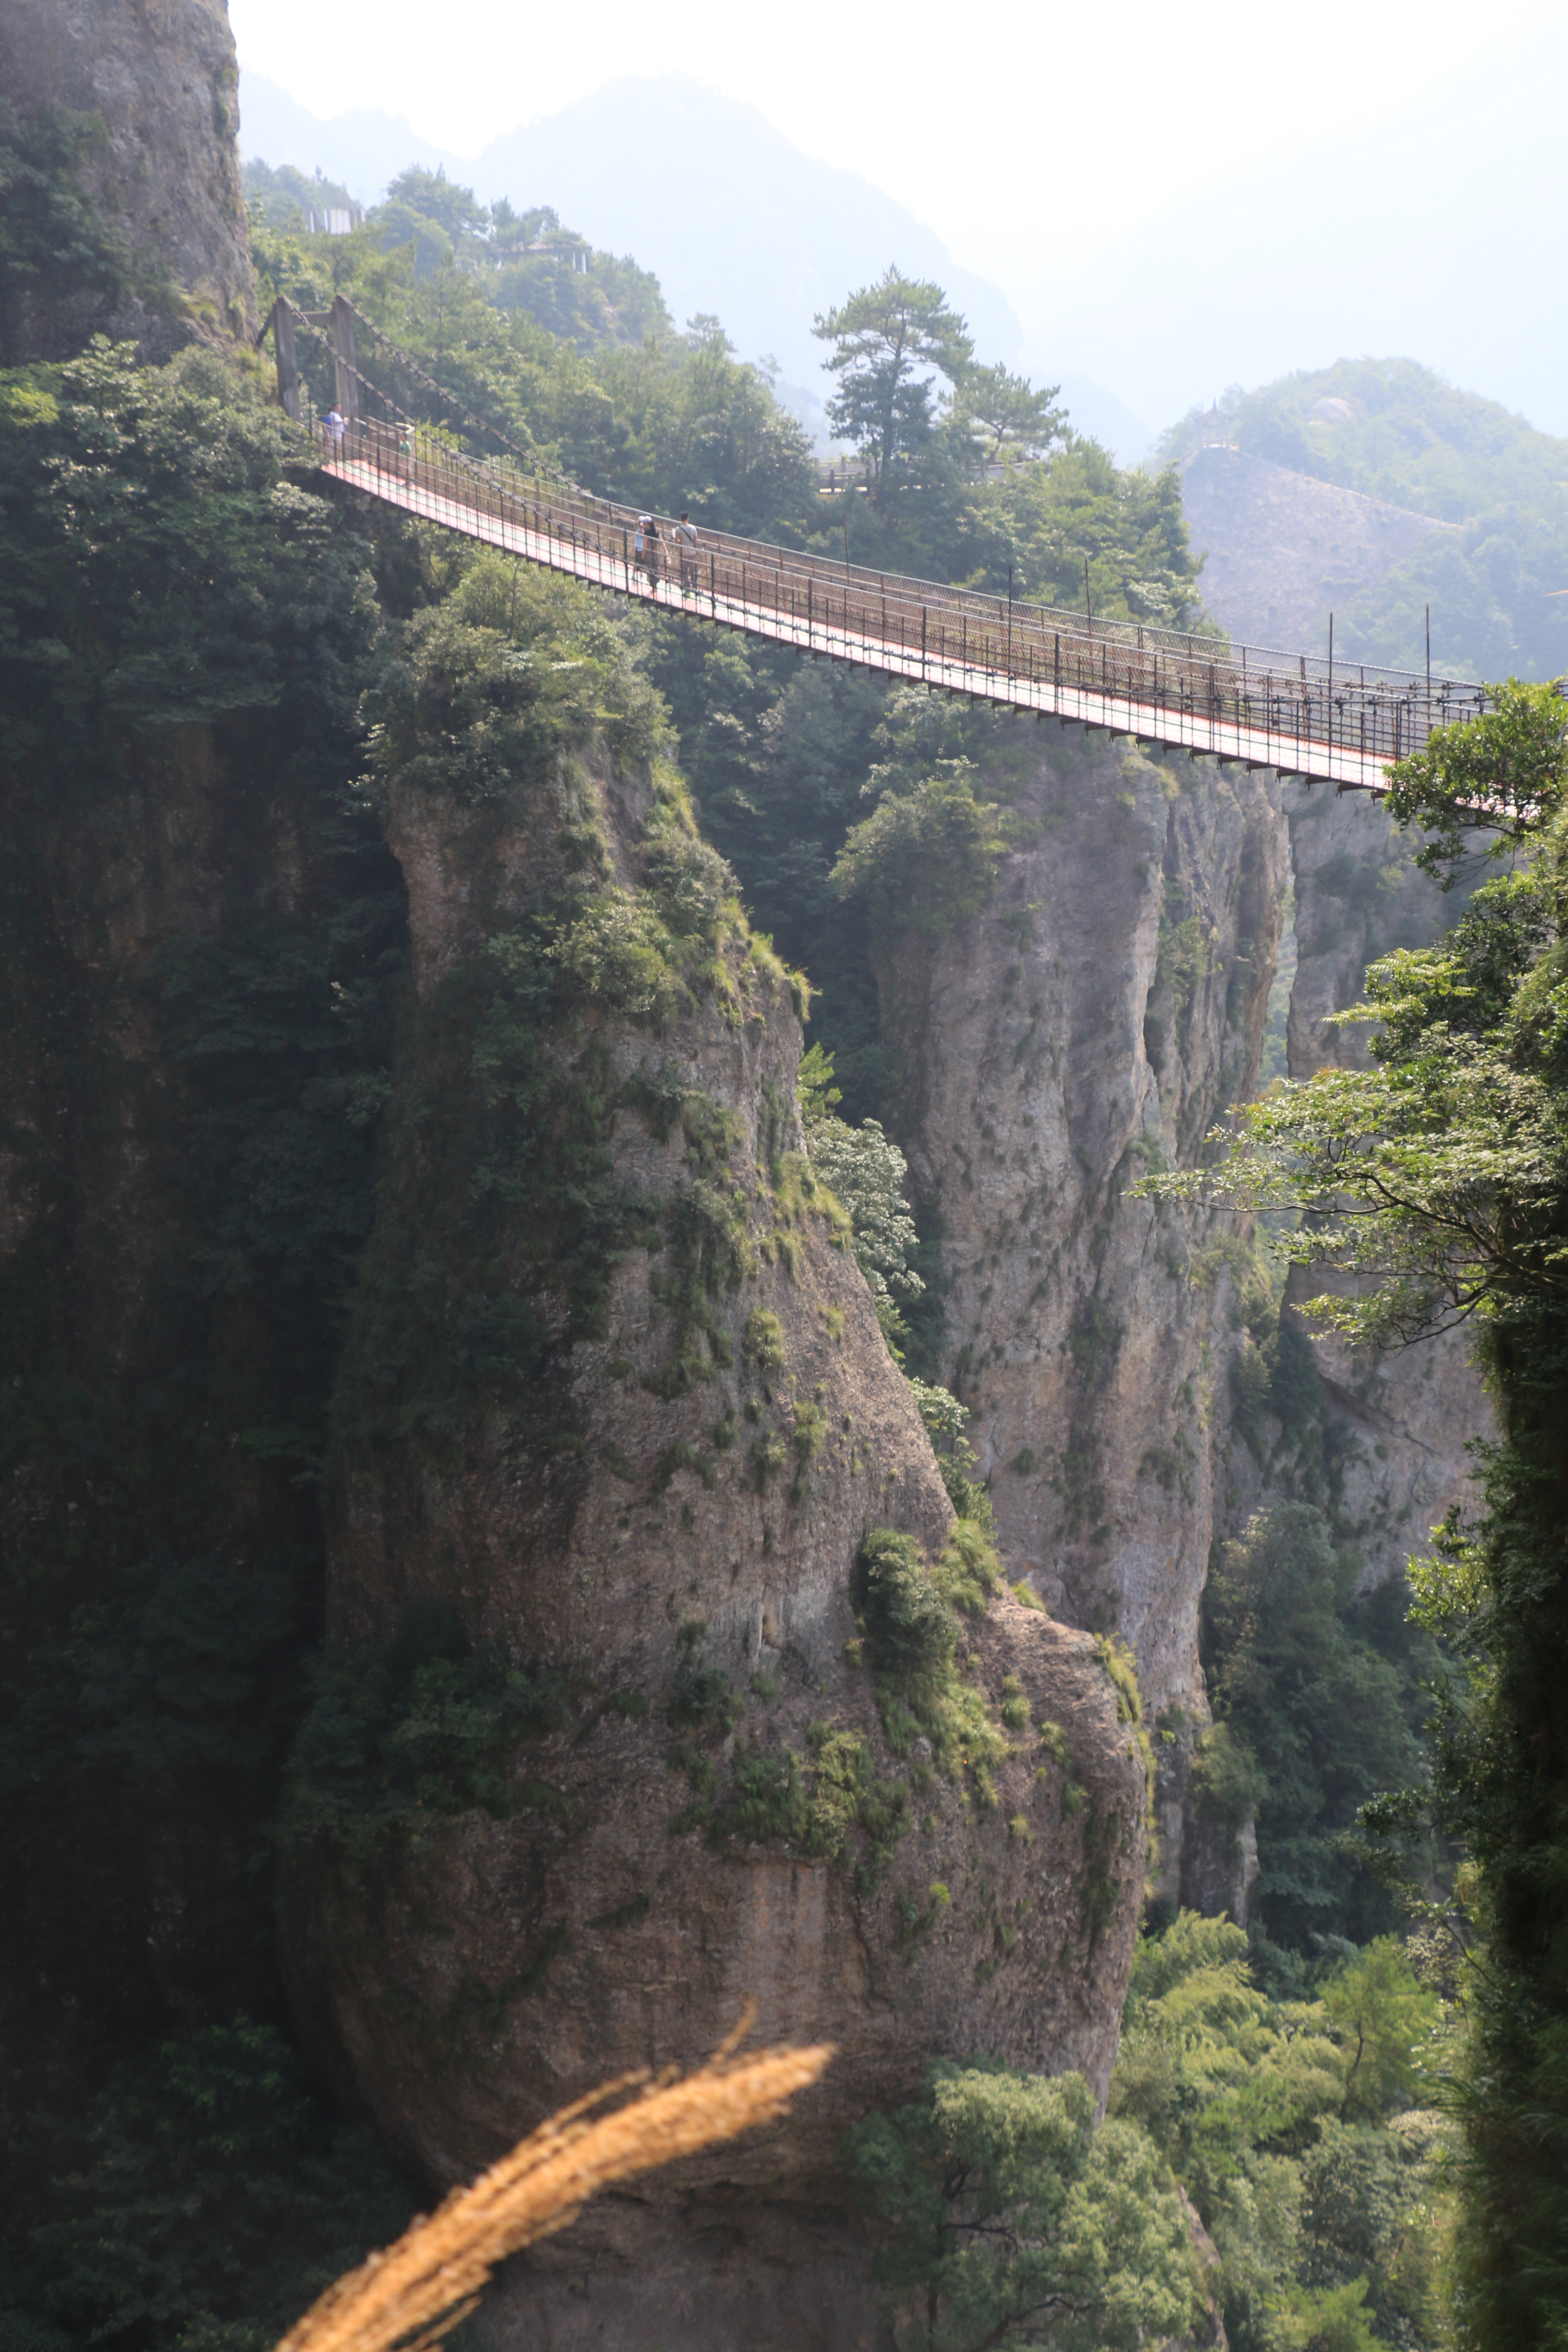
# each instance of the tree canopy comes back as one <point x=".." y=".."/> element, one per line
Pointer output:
<point x="889" y="343"/>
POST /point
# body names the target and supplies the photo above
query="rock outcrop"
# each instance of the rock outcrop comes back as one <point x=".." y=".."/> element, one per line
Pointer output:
<point x="667" y="1528"/>
<point x="1087" y="1026"/>
<point x="161" y="75"/>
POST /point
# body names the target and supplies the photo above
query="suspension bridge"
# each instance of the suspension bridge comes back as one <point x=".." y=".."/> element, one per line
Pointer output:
<point x="1162" y="687"/>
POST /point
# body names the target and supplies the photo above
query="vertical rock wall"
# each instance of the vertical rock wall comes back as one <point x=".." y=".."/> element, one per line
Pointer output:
<point x="1087" y="1027"/>
<point x="1359" y="896"/>
<point x="613" y="1527"/>
<point x="161" y="74"/>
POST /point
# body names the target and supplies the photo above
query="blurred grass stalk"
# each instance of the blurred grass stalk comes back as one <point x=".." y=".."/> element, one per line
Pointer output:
<point x="410" y="2297"/>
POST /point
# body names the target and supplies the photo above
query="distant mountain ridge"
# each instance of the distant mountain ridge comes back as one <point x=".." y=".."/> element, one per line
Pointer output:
<point x="1391" y="429"/>
<point x="790" y="237"/>
<point x="1285" y="549"/>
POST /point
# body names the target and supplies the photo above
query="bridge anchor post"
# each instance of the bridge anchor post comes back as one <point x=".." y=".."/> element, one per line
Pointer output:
<point x="283" y="352"/>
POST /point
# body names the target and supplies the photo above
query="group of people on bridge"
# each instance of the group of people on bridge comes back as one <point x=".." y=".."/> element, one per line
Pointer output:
<point x="646" y="551"/>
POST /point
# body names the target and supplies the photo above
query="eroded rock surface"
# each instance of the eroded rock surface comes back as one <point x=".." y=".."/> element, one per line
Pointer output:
<point x="161" y="74"/>
<point x="701" y="1520"/>
<point x="1087" y="1026"/>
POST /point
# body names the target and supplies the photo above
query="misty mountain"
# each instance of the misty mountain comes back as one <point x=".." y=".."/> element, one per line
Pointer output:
<point x="634" y="168"/>
<point x="1378" y="491"/>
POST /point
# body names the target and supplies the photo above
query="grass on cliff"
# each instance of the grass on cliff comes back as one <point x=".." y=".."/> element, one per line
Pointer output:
<point x="910" y="1616"/>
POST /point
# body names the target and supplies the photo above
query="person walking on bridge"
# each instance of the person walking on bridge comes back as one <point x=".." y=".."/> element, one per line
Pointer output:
<point x="647" y="549"/>
<point x="686" y="537"/>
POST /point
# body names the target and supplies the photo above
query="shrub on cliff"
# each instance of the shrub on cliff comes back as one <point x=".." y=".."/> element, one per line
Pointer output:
<point x="485" y="686"/>
<point x="156" y="568"/>
<point x="401" y="1735"/>
<point x="62" y="257"/>
<point x="926" y="860"/>
<point x="911" y="1628"/>
<point x="912" y="1631"/>
<point x="865" y="1172"/>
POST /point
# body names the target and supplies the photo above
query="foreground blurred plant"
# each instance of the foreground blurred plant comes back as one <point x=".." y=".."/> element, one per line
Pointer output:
<point x="415" y="2294"/>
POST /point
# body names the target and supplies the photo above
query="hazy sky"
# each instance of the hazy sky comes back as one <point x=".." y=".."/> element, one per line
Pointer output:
<point x="1382" y="150"/>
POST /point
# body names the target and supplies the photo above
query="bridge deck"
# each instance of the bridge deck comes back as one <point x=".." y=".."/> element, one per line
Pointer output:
<point x="1274" y="710"/>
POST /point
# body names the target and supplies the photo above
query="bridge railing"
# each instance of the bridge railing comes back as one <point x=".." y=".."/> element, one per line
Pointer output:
<point x="960" y="638"/>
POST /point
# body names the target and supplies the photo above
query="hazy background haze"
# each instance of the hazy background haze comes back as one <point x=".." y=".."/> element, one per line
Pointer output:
<point x="1164" y="201"/>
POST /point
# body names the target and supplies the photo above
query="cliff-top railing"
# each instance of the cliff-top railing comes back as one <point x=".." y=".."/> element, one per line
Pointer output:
<point x="1293" y="712"/>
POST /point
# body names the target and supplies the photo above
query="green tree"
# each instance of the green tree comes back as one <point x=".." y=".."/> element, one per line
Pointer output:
<point x="1384" y="2015"/>
<point x="1127" y="528"/>
<point x="210" y="2198"/>
<point x="704" y="430"/>
<point x="1324" y="2229"/>
<point x="888" y="341"/>
<point x="1014" y="2222"/>
<point x="281" y="197"/>
<point x="442" y="221"/>
<point x="866" y="1172"/>
<point x="1504" y="773"/>
<point x="1006" y="416"/>
<point x="927" y="857"/>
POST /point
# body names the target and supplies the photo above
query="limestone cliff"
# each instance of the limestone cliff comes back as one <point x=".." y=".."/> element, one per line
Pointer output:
<point x="1089" y="1024"/>
<point x="666" y="1520"/>
<point x="1360" y="895"/>
<point x="1282" y="550"/>
<point x="162" y="77"/>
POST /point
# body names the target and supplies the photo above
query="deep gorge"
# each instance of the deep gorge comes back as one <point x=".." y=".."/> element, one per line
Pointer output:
<point x="484" y="1603"/>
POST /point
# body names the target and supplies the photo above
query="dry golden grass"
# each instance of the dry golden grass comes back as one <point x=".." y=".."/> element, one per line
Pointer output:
<point x="411" y="2296"/>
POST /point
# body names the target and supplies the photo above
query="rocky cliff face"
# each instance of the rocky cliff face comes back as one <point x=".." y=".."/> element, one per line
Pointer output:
<point x="716" y="1805"/>
<point x="1091" y="1023"/>
<point x="161" y="75"/>
<point x="1359" y="896"/>
<point x="1087" y="1026"/>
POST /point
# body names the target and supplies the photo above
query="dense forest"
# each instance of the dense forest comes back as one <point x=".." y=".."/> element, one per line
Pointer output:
<point x="1355" y="2101"/>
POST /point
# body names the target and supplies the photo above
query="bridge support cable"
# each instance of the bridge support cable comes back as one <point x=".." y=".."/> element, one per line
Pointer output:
<point x="1161" y="687"/>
